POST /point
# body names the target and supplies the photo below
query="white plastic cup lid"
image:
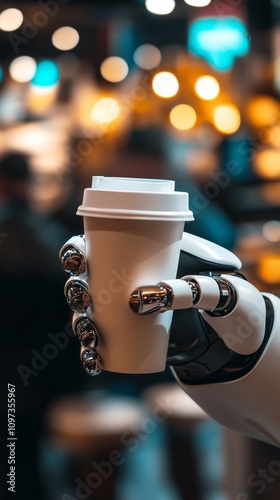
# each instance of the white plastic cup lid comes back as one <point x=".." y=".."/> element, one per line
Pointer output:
<point x="132" y="185"/>
<point x="129" y="198"/>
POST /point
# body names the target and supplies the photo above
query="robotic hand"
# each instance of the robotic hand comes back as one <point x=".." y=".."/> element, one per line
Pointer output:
<point x="224" y="347"/>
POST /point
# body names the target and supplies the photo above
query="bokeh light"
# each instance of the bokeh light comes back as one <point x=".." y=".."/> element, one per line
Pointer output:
<point x="22" y="69"/>
<point x="198" y="3"/>
<point x="269" y="269"/>
<point x="47" y="74"/>
<point x="263" y="111"/>
<point x="165" y="84"/>
<point x="34" y="138"/>
<point x="11" y="19"/>
<point x="227" y="118"/>
<point x="183" y="117"/>
<point x="219" y="40"/>
<point x="267" y="163"/>
<point x="105" y="111"/>
<point x="207" y="87"/>
<point x="65" y="38"/>
<point x="271" y="230"/>
<point x="160" y="7"/>
<point x="147" y="56"/>
<point x="114" y="69"/>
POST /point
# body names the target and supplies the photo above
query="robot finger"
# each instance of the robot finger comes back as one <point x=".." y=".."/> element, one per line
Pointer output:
<point x="73" y="255"/>
<point x="85" y="330"/>
<point x="91" y="361"/>
<point x="77" y="293"/>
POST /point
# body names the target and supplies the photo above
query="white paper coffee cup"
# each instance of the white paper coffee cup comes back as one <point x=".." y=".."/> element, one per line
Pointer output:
<point x="133" y="230"/>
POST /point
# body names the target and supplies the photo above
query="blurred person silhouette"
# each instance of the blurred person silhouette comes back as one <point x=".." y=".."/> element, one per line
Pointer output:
<point x="36" y="335"/>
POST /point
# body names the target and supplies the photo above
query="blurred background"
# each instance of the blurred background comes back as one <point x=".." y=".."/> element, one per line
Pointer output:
<point x="184" y="90"/>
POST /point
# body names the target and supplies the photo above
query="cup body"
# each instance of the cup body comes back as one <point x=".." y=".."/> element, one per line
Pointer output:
<point x="126" y="251"/>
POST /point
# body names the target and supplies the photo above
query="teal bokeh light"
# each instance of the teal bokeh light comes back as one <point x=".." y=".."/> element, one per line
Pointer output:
<point x="218" y="40"/>
<point x="47" y="74"/>
<point x="1" y="74"/>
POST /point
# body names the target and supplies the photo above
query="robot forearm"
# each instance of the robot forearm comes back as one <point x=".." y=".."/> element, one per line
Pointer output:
<point x="245" y="399"/>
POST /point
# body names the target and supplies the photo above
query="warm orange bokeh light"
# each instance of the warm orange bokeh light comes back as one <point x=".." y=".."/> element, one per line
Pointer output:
<point x="263" y="111"/>
<point x="183" y="117"/>
<point x="65" y="38"/>
<point x="11" y="19"/>
<point x="114" y="69"/>
<point x="269" y="269"/>
<point x="22" y="69"/>
<point x="165" y="84"/>
<point x="227" y="118"/>
<point x="267" y="164"/>
<point x="105" y="111"/>
<point x="207" y="87"/>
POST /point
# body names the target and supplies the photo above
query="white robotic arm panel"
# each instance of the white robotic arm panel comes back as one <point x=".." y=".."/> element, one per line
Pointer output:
<point x="205" y="250"/>
<point x="251" y="404"/>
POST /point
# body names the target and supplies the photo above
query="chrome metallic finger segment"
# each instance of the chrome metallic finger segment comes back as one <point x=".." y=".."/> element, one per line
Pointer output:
<point x="73" y="261"/>
<point x="149" y="299"/>
<point x="86" y="331"/>
<point x="77" y="294"/>
<point x="73" y="256"/>
<point x="91" y="361"/>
